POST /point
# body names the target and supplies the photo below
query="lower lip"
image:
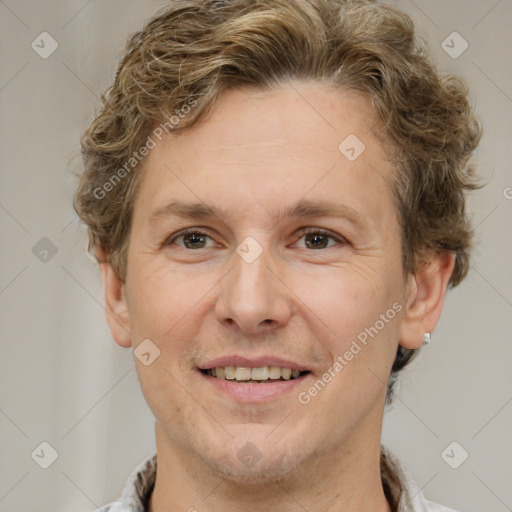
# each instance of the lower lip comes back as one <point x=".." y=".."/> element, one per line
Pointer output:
<point x="255" y="392"/>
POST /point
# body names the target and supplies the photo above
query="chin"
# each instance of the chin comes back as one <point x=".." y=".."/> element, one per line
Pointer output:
<point x="262" y="472"/>
<point x="255" y="459"/>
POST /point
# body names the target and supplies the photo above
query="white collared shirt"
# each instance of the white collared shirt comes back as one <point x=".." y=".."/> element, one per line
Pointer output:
<point x="396" y="481"/>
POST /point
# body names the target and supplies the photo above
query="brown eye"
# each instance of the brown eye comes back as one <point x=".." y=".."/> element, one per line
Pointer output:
<point x="191" y="239"/>
<point x="316" y="241"/>
<point x="195" y="240"/>
<point x="319" y="239"/>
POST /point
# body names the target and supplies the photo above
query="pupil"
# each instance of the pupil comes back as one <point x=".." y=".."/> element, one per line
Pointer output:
<point x="193" y="238"/>
<point x="318" y="238"/>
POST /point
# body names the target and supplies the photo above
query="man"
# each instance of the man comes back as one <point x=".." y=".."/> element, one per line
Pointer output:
<point x="274" y="192"/>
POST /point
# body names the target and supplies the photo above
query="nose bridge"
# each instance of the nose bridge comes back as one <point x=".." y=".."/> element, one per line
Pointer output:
<point x="252" y="295"/>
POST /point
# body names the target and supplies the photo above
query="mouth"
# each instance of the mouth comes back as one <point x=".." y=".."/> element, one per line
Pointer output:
<point x="253" y="380"/>
<point x="251" y="375"/>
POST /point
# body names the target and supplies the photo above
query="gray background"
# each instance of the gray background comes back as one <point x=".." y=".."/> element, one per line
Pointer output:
<point x="64" y="381"/>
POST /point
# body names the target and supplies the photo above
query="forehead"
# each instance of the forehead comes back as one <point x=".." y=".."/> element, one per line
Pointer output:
<point x="302" y="140"/>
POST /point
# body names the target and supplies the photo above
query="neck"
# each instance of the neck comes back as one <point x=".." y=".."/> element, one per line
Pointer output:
<point x="343" y="478"/>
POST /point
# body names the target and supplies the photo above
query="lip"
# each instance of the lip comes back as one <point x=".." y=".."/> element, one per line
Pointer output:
<point x="255" y="392"/>
<point x="253" y="362"/>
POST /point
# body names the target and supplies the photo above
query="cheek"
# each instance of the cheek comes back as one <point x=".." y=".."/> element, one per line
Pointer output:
<point x="362" y="311"/>
<point x="350" y="298"/>
<point x="161" y="299"/>
<point x="361" y="306"/>
<point x="173" y="408"/>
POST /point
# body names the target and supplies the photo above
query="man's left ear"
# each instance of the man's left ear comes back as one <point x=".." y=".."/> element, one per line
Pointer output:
<point x="426" y="290"/>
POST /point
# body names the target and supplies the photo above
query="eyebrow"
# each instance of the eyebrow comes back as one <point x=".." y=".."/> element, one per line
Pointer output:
<point x="301" y="209"/>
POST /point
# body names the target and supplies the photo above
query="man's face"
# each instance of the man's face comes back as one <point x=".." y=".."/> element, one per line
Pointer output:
<point x="253" y="289"/>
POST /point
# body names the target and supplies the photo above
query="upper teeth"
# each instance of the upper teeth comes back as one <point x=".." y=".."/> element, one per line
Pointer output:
<point x="246" y="373"/>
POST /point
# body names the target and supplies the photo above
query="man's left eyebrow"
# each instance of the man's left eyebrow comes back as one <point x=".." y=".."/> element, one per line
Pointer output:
<point x="301" y="209"/>
<point x="322" y="208"/>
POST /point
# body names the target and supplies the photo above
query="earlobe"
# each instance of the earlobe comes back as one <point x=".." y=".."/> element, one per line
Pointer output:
<point x="118" y="318"/>
<point x="425" y="299"/>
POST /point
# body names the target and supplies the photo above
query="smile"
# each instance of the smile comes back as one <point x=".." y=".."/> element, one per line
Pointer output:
<point x="245" y="374"/>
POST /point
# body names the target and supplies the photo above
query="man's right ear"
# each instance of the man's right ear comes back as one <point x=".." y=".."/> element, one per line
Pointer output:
<point x="118" y="317"/>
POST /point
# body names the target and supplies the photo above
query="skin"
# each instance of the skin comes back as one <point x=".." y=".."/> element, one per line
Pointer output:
<point x="198" y="300"/>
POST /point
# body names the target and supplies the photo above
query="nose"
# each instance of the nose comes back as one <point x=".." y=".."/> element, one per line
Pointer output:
<point x="254" y="297"/>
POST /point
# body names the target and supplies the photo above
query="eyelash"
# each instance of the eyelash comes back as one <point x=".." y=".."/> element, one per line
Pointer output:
<point x="305" y="231"/>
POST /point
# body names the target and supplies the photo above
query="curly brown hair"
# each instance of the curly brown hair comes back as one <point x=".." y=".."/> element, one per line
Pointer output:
<point x="193" y="50"/>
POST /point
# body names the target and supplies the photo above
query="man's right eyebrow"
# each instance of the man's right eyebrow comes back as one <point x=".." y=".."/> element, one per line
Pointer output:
<point x="186" y="211"/>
